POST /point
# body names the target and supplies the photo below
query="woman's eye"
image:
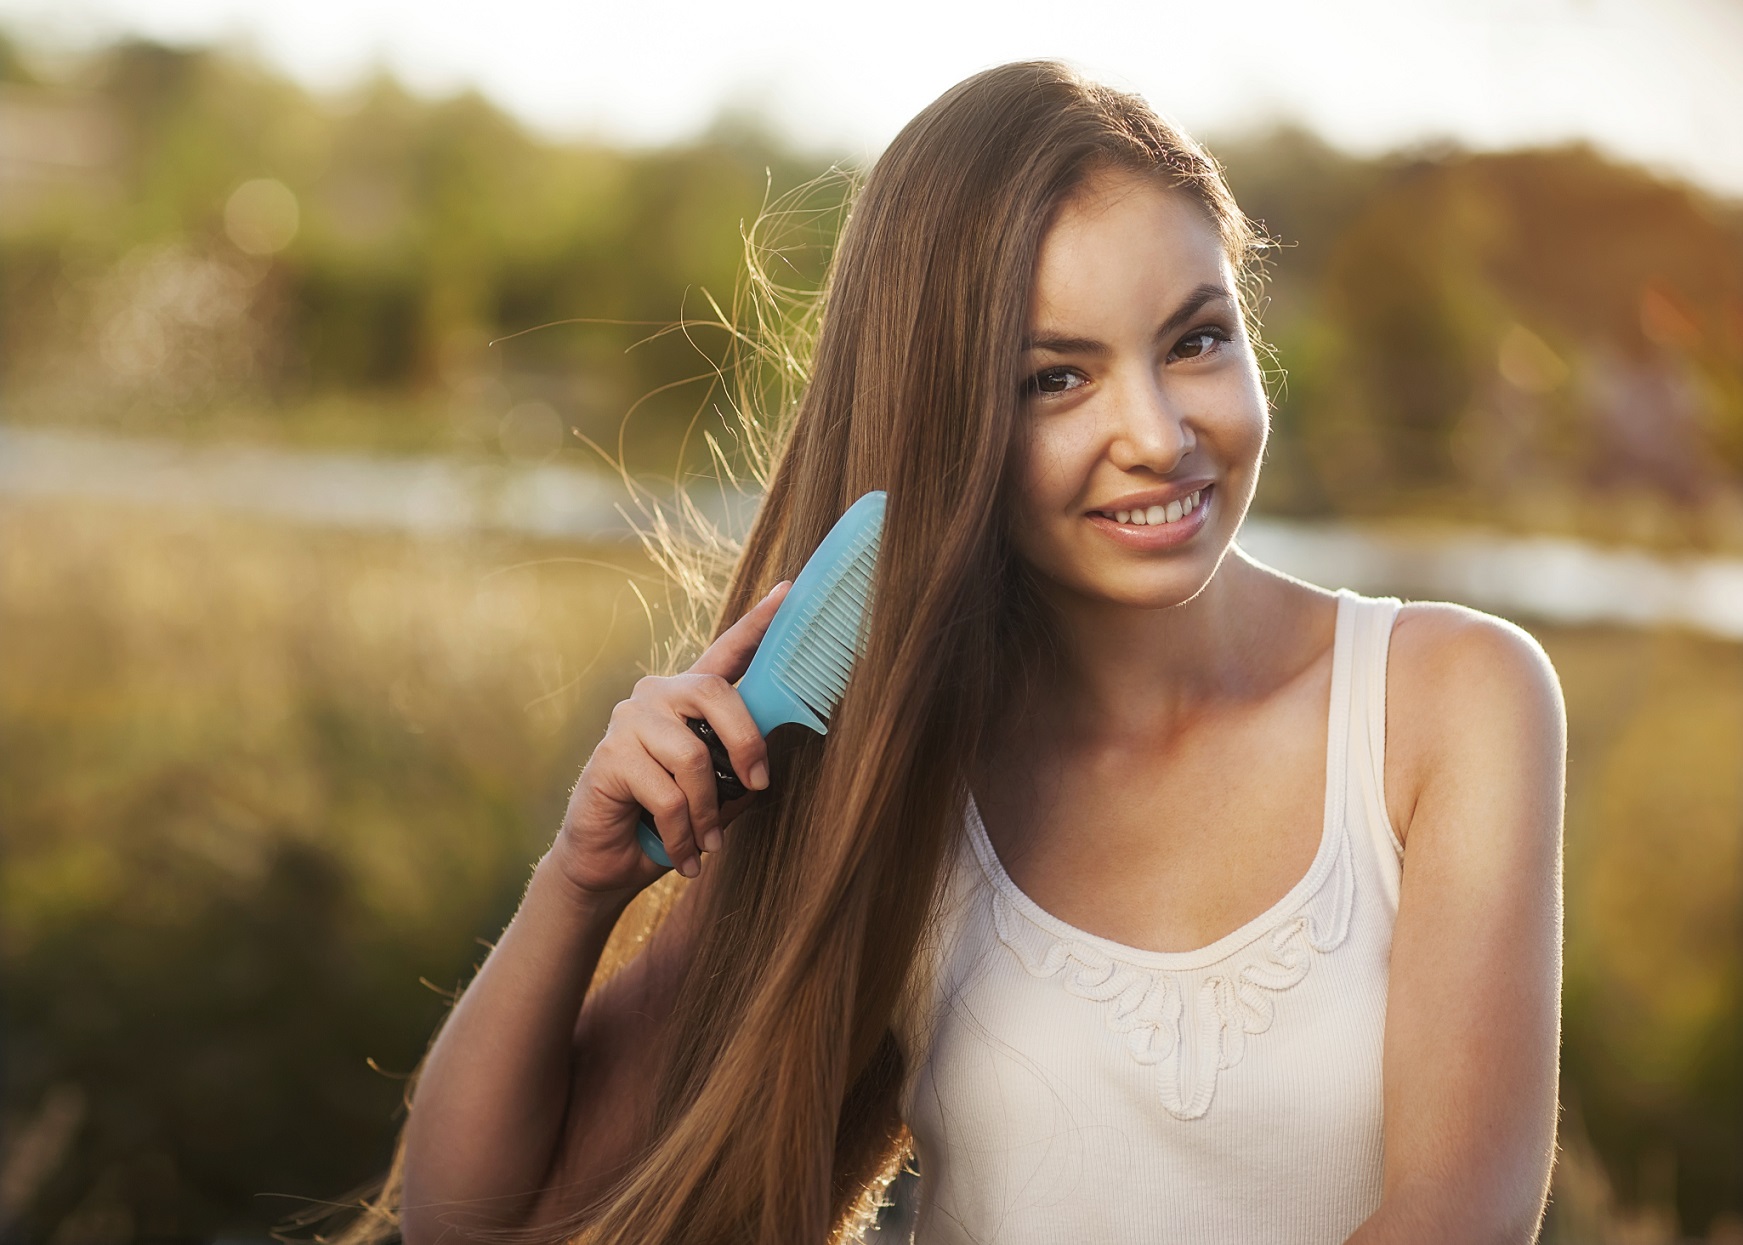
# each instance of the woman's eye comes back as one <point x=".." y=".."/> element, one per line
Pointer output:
<point x="1055" y="380"/>
<point x="1200" y="342"/>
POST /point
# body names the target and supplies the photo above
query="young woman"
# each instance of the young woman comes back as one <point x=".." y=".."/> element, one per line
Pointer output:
<point x="1147" y="893"/>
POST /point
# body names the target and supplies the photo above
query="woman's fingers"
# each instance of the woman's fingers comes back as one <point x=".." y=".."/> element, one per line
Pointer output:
<point x="729" y="656"/>
<point x="717" y="702"/>
<point x="683" y="797"/>
<point x="686" y="759"/>
<point x="661" y="791"/>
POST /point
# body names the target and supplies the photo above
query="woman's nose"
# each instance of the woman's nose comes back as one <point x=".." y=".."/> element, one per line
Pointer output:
<point x="1151" y="430"/>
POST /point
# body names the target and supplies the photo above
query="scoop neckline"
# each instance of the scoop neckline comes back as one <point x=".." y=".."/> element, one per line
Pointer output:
<point x="1337" y="736"/>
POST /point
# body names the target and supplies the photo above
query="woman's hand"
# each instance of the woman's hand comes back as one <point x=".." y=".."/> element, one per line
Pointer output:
<point x="651" y="759"/>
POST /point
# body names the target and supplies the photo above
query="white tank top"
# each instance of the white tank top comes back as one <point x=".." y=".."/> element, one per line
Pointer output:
<point x="1065" y="1087"/>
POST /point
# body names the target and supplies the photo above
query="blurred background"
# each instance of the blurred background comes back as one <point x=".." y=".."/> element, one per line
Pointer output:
<point x="315" y="592"/>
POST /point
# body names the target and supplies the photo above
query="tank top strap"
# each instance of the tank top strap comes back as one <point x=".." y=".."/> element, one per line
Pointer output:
<point x="1366" y="749"/>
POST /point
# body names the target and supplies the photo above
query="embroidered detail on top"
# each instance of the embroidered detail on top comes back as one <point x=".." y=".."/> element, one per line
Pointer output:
<point x="1189" y="1024"/>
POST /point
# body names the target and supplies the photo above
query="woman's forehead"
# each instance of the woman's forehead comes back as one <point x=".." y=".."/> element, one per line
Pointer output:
<point x="1124" y="241"/>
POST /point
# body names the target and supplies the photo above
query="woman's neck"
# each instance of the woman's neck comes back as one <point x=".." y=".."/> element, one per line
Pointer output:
<point x="1144" y="672"/>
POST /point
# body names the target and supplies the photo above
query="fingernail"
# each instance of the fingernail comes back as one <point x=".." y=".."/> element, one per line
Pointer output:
<point x="759" y="776"/>
<point x="690" y="867"/>
<point x="711" y="841"/>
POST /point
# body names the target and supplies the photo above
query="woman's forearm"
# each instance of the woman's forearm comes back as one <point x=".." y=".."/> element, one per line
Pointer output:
<point x="1433" y="1216"/>
<point x="488" y="1113"/>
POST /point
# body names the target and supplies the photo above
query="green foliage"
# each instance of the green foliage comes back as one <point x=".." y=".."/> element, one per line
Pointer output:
<point x="1544" y="340"/>
<point x="423" y="232"/>
<point x="1525" y="339"/>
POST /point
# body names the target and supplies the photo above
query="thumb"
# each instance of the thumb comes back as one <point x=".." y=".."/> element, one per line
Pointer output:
<point x="730" y="654"/>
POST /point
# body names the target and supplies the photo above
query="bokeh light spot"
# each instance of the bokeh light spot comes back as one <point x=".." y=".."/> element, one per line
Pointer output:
<point x="262" y="216"/>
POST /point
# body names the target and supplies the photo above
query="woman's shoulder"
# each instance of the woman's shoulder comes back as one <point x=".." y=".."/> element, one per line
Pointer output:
<point x="1443" y="646"/>
<point x="1465" y="691"/>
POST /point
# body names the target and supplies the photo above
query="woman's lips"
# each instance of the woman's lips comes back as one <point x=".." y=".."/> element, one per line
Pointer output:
<point x="1157" y="535"/>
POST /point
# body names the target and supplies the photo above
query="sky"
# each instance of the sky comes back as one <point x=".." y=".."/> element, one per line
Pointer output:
<point x="1658" y="82"/>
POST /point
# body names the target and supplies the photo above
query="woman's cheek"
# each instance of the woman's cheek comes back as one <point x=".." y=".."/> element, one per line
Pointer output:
<point x="1058" y="478"/>
<point x="1255" y="403"/>
<point x="1049" y="484"/>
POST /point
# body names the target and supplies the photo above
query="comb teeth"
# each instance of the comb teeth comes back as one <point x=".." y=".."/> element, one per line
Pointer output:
<point x="818" y="653"/>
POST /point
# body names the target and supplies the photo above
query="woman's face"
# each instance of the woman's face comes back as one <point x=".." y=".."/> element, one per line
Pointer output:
<point x="1143" y="397"/>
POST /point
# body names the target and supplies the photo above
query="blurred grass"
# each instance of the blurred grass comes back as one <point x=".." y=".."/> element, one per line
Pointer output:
<point x="1653" y="1045"/>
<point x="260" y="780"/>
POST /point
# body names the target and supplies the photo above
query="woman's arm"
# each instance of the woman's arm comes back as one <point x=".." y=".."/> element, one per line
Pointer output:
<point x="1474" y="1007"/>
<point x="537" y="1091"/>
<point x="523" y="1112"/>
<point x="492" y="1094"/>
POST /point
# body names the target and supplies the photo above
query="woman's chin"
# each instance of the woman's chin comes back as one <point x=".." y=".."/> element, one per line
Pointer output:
<point x="1132" y="592"/>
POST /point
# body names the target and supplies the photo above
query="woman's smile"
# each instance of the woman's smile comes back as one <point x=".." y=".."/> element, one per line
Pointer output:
<point x="1134" y="525"/>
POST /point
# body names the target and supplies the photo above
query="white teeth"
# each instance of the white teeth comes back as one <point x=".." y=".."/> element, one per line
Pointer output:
<point x="1173" y="512"/>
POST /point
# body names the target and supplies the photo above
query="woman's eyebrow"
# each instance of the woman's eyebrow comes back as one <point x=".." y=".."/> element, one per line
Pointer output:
<point x="1189" y="307"/>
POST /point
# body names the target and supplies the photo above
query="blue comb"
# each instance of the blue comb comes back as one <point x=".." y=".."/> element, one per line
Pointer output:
<point x="801" y="667"/>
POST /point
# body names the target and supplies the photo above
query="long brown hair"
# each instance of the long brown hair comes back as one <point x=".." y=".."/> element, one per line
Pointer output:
<point x="776" y="1107"/>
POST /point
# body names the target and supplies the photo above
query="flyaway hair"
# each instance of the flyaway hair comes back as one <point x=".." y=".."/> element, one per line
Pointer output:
<point x="778" y="1101"/>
